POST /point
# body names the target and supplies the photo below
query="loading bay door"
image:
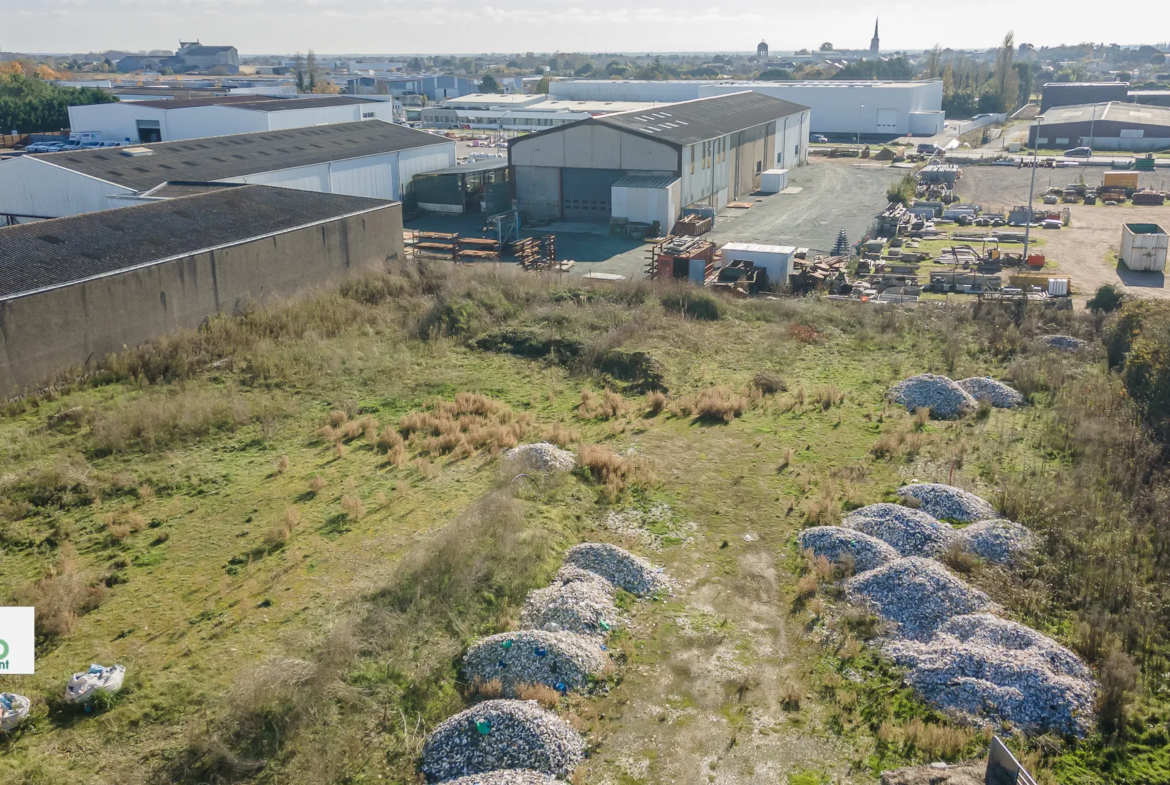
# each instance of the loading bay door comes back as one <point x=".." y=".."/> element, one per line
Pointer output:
<point x="585" y="193"/>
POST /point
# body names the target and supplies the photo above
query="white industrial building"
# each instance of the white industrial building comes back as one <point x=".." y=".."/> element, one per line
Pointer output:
<point x="371" y="159"/>
<point x="525" y="113"/>
<point x="705" y="152"/>
<point x="172" y="120"/>
<point x="869" y="108"/>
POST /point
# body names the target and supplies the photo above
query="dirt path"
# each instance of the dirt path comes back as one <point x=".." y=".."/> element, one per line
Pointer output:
<point x="702" y="699"/>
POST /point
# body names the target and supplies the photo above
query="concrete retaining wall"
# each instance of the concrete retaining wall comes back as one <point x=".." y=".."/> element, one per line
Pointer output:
<point x="48" y="333"/>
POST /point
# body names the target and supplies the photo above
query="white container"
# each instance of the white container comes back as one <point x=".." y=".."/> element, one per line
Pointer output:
<point x="1058" y="287"/>
<point x="773" y="181"/>
<point x="776" y="260"/>
<point x="1143" y="246"/>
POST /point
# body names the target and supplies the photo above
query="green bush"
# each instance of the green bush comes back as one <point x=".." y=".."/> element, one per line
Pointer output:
<point x="1107" y="299"/>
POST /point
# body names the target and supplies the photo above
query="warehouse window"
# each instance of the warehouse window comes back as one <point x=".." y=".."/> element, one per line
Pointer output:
<point x="367" y="115"/>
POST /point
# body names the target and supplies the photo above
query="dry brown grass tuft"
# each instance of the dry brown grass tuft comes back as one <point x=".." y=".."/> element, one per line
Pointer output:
<point x="921" y="417"/>
<point x="123" y="523"/>
<point x="541" y="693"/>
<point x="791" y="694"/>
<point x="469" y="424"/>
<point x="280" y="531"/>
<point x="561" y="435"/>
<point x="145" y="493"/>
<point x="656" y="402"/>
<point x="280" y="466"/>
<point x="351" y="430"/>
<point x="714" y="404"/>
<point x="368" y="425"/>
<point x="806" y="585"/>
<point x="828" y="396"/>
<point x="786" y="459"/>
<point x="486" y="690"/>
<point x="317" y="484"/>
<point x="611" y="470"/>
<point x="337" y="418"/>
<point x="929" y="740"/>
<point x="388" y="440"/>
<point x="353" y="506"/>
<point x="900" y="441"/>
<point x="958" y="559"/>
<point x="66" y="592"/>
<point x="607" y="407"/>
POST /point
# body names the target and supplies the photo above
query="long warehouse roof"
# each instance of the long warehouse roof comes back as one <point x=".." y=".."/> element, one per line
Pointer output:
<point x="60" y="251"/>
<point x="689" y="122"/>
<point x="222" y="157"/>
<point x="258" y="103"/>
<point x="1112" y="111"/>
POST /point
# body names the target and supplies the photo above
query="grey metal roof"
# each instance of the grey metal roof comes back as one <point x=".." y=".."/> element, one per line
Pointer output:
<point x="179" y="188"/>
<point x="1113" y="111"/>
<point x="485" y="165"/>
<point x="223" y="157"/>
<point x="645" y="181"/>
<point x="693" y="121"/>
<point x="61" y="251"/>
<point x="259" y="103"/>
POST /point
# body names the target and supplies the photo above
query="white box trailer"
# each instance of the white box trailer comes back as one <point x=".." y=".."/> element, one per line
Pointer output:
<point x="776" y="260"/>
<point x="773" y="181"/>
<point x="1143" y="246"/>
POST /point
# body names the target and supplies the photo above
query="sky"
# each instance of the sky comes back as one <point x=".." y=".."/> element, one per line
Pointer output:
<point x="458" y="26"/>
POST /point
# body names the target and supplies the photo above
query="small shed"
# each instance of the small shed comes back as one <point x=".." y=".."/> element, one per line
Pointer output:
<point x="1143" y="247"/>
<point x="775" y="260"/>
<point x="476" y="187"/>
<point x="646" y="199"/>
<point x="773" y="181"/>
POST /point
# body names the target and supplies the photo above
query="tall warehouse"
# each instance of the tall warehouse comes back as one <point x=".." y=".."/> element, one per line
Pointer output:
<point x="705" y="152"/>
<point x="875" y="109"/>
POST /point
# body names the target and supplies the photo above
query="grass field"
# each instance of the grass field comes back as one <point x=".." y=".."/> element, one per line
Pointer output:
<point x="289" y="525"/>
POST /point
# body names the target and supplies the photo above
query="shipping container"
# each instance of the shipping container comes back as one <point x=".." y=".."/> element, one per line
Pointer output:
<point x="773" y="181"/>
<point x="1143" y="246"/>
<point x="1121" y="179"/>
<point x="776" y="260"/>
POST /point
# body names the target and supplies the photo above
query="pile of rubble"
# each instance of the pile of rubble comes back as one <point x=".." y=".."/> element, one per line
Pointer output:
<point x="1064" y="342"/>
<point x="998" y="394"/>
<point x="515" y="742"/>
<point x="540" y="457"/>
<point x="948" y="503"/>
<point x="563" y="660"/>
<point x="910" y="532"/>
<point x="621" y="568"/>
<point x="961" y="658"/>
<point x="918" y="595"/>
<point x="999" y="542"/>
<point x="981" y="664"/>
<point x="576" y="601"/>
<point x="502" y="734"/>
<point x="506" y="777"/>
<point x="941" y="395"/>
<point x="840" y="545"/>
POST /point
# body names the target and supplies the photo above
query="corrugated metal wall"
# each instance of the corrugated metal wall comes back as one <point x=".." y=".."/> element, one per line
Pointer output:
<point x="29" y="187"/>
<point x="538" y="192"/>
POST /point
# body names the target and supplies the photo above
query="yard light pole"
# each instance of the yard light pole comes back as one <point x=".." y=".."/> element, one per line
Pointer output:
<point x="859" y="124"/>
<point x="1032" y="187"/>
<point x="1092" y="123"/>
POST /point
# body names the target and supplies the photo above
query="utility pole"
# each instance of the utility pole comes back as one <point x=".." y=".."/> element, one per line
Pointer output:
<point x="1032" y="187"/>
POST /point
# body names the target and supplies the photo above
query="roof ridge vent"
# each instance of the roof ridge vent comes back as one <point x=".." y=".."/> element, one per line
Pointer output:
<point x="136" y="152"/>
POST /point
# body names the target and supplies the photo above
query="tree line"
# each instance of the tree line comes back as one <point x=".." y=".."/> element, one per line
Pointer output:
<point x="29" y="104"/>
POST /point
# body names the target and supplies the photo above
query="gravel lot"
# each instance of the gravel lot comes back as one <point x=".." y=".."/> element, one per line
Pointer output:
<point x="1081" y="249"/>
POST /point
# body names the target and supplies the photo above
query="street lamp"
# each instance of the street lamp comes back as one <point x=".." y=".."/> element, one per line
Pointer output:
<point x="859" y="124"/>
<point x="1032" y="187"/>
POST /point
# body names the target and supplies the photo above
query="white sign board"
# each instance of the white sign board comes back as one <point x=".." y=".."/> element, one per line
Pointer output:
<point x="1132" y="133"/>
<point x="17" y="641"/>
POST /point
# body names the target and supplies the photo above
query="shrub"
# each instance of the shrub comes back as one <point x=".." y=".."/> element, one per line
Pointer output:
<point x="353" y="506"/>
<point x="769" y="383"/>
<point x="829" y="396"/>
<point x="541" y="693"/>
<point x="158" y="420"/>
<point x="931" y="741"/>
<point x="1107" y="299"/>
<point x="65" y="593"/>
<point x="388" y="440"/>
<point x="803" y="334"/>
<point x="655" y="402"/>
<point x="317" y="484"/>
<point x="693" y="304"/>
<point x="338" y="418"/>
<point x="280" y="466"/>
<point x="1118" y="678"/>
<point x="611" y="470"/>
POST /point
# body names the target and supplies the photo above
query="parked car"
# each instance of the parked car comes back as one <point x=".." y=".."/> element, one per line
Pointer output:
<point x="929" y="148"/>
<point x="1079" y="152"/>
<point x="43" y="147"/>
<point x="818" y="139"/>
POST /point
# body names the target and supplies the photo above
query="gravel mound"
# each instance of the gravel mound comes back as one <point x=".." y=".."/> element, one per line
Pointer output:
<point x="1065" y="342"/>
<point x="946" y="502"/>
<point x="506" y="777"/>
<point x="1000" y="542"/>
<point x="910" y="532"/>
<point x="564" y="660"/>
<point x="918" y="595"/>
<point x="576" y="601"/>
<point x="945" y="399"/>
<point x="980" y="666"/>
<point x="998" y="394"/>
<point x="837" y="543"/>
<point x="542" y="457"/>
<point x="501" y="734"/>
<point x="621" y="568"/>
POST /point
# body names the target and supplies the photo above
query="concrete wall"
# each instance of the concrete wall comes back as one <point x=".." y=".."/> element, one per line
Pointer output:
<point x="647" y="205"/>
<point x="55" y="331"/>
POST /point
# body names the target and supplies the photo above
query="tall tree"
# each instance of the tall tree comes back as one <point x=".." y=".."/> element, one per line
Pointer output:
<point x="311" y="71"/>
<point x="933" y="62"/>
<point x="298" y="69"/>
<point x="489" y="84"/>
<point x="1006" y="77"/>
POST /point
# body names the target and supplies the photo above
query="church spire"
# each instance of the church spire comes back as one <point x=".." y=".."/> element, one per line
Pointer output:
<point x="874" y="45"/>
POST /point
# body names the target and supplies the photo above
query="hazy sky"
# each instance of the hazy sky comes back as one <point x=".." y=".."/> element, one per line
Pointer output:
<point x="405" y="26"/>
